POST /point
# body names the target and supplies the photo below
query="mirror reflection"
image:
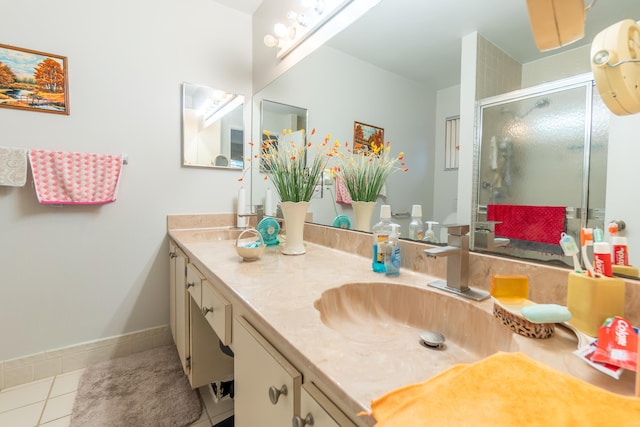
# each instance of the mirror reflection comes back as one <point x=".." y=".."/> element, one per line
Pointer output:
<point x="542" y="160"/>
<point x="212" y="127"/>
<point x="407" y="80"/>
<point x="277" y="118"/>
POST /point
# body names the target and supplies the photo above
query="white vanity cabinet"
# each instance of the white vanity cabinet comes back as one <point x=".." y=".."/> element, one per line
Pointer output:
<point x="267" y="386"/>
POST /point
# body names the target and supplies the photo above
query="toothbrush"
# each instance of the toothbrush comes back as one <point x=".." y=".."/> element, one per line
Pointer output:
<point x="586" y="239"/>
<point x="570" y="248"/>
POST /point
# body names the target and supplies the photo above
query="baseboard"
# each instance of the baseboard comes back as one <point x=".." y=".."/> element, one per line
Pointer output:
<point x="37" y="366"/>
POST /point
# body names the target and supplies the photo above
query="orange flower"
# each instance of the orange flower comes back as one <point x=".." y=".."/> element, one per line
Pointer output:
<point x="313" y="131"/>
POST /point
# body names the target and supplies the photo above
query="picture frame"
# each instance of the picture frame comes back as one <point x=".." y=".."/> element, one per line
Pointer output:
<point x="367" y="138"/>
<point x="33" y="81"/>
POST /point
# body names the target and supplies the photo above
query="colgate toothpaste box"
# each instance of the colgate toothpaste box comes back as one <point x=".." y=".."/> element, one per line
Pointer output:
<point x="617" y="344"/>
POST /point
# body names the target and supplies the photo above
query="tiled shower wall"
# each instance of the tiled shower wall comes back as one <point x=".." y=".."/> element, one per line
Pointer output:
<point x="496" y="72"/>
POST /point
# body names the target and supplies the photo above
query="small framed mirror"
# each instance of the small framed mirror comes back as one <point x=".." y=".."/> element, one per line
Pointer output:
<point x="212" y="127"/>
<point x="277" y="117"/>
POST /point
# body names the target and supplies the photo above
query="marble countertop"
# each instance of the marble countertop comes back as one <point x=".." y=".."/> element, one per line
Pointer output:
<point x="280" y="291"/>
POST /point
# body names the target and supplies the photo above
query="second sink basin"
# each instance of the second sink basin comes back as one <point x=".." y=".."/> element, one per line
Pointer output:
<point x="394" y="314"/>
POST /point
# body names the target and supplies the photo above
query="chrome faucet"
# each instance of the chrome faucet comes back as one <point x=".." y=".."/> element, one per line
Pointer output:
<point x="457" y="253"/>
<point x="259" y="214"/>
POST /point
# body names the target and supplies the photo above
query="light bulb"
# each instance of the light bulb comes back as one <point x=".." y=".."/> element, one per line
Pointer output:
<point x="317" y="5"/>
<point x="270" y="41"/>
<point x="281" y="30"/>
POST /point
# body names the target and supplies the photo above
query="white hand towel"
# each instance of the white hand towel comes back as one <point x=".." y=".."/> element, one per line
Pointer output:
<point x="13" y="166"/>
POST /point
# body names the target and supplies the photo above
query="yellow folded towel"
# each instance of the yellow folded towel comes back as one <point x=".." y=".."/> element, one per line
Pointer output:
<point x="505" y="389"/>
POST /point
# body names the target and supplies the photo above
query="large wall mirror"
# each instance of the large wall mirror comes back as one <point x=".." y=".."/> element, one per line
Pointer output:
<point x="407" y="80"/>
<point x="212" y="127"/>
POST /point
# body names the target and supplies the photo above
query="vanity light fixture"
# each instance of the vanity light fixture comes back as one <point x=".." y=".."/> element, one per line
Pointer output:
<point x="302" y="24"/>
<point x="615" y="63"/>
<point x="316" y="5"/>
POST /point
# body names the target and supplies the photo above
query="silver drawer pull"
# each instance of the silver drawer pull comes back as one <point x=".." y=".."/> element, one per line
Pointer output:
<point x="206" y="310"/>
<point x="274" y="393"/>
<point x="189" y="285"/>
<point x="299" y="422"/>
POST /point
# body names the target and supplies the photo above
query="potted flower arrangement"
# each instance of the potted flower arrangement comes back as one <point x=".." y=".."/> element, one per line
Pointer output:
<point x="294" y="172"/>
<point x="364" y="171"/>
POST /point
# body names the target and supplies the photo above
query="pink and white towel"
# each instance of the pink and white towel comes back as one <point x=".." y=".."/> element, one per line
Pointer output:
<point x="342" y="193"/>
<point x="65" y="178"/>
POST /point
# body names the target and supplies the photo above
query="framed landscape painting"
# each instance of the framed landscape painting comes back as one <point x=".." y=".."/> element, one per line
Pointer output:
<point x="32" y="80"/>
<point x="367" y="138"/>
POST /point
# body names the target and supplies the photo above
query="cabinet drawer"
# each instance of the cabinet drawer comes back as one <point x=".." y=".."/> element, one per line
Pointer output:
<point x="217" y="311"/>
<point x="194" y="284"/>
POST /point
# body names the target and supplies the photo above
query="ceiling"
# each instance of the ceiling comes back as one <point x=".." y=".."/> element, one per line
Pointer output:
<point x="422" y="39"/>
<point x="246" y="6"/>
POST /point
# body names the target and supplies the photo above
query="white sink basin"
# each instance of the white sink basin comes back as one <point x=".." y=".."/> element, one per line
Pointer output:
<point x="395" y="314"/>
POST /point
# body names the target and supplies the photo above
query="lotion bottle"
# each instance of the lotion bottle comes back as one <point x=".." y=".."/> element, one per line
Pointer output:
<point x="381" y="232"/>
<point x="415" y="226"/>
<point x="392" y="257"/>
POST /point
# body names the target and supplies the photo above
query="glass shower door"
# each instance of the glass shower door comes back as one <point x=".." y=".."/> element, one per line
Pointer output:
<point x="541" y="168"/>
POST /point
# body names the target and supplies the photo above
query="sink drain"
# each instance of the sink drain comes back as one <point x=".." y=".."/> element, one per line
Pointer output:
<point x="431" y="339"/>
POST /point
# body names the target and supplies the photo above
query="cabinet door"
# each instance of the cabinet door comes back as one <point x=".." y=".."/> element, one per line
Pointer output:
<point x="194" y="284"/>
<point x="262" y="376"/>
<point x="208" y="362"/>
<point x="181" y="298"/>
<point x="318" y="411"/>
<point x="217" y="311"/>
<point x="172" y="289"/>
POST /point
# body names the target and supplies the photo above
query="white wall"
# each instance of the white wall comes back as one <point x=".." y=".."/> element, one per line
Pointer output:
<point x="79" y="273"/>
<point x="445" y="193"/>
<point x="364" y="93"/>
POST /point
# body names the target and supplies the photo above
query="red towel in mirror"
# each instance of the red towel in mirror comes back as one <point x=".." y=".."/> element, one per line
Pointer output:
<point x="542" y="224"/>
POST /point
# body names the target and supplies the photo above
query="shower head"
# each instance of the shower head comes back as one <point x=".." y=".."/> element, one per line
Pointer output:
<point x="541" y="103"/>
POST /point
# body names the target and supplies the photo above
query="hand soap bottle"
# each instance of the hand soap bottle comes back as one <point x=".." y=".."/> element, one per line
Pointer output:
<point x="392" y="258"/>
<point x="381" y="232"/>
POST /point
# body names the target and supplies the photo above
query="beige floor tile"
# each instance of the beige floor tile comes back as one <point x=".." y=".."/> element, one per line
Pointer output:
<point x="58" y="407"/>
<point x="66" y="383"/>
<point x="26" y="416"/>
<point x="60" y="422"/>
<point x="23" y="395"/>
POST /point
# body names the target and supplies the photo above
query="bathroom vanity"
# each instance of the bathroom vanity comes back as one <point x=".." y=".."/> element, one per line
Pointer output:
<point x="319" y="336"/>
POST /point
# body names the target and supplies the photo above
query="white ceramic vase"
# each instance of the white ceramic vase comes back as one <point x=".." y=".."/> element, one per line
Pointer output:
<point x="362" y="212"/>
<point x="294" y="214"/>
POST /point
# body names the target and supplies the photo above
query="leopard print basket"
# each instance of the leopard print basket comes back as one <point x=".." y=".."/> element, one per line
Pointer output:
<point x="522" y="326"/>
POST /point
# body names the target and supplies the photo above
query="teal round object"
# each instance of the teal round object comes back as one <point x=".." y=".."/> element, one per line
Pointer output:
<point x="269" y="228"/>
<point x="342" y="221"/>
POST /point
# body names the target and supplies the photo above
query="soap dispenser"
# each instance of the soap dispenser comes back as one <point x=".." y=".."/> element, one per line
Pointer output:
<point x="430" y="235"/>
<point x="392" y="259"/>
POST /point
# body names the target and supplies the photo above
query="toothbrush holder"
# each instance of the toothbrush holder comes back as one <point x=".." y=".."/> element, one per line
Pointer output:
<point x="591" y="300"/>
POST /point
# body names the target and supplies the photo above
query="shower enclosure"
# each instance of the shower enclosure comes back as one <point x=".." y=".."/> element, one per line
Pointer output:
<point x="540" y="159"/>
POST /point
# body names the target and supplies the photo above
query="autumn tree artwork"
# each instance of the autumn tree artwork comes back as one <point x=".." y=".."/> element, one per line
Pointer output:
<point x="367" y="138"/>
<point x="32" y="80"/>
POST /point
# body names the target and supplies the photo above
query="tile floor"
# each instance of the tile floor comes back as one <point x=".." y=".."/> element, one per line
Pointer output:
<point x="48" y="403"/>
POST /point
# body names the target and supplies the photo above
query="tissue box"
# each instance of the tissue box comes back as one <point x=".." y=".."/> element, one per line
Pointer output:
<point x="592" y="300"/>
